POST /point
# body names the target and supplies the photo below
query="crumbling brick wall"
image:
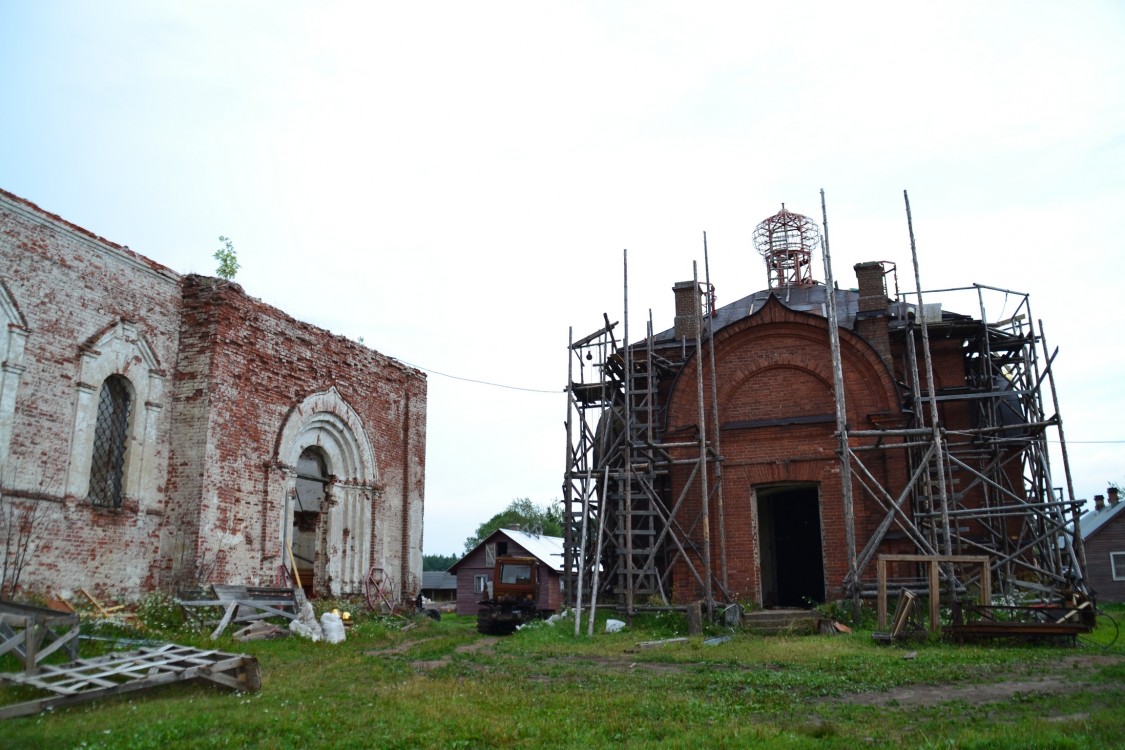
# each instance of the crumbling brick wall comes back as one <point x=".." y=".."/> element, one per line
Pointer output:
<point x="73" y="289"/>
<point x="253" y="365"/>
<point x="221" y="380"/>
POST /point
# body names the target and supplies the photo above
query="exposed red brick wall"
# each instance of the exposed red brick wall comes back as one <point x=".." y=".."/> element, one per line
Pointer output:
<point x="775" y="365"/>
<point x="260" y="363"/>
<point x="70" y="285"/>
<point x="234" y="370"/>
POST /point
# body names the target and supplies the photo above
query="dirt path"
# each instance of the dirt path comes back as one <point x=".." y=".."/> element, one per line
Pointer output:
<point x="1068" y="675"/>
<point x="401" y="648"/>
<point x="479" y="644"/>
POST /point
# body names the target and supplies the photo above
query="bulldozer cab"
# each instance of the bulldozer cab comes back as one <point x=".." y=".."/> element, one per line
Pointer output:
<point x="515" y="596"/>
<point x="516" y="578"/>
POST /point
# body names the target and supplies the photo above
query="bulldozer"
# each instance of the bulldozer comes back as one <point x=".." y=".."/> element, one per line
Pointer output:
<point x="513" y="597"/>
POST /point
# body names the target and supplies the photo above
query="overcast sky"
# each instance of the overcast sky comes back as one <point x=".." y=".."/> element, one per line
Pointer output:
<point x="456" y="182"/>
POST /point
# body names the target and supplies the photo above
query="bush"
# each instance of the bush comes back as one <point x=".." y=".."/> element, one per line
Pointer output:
<point x="159" y="612"/>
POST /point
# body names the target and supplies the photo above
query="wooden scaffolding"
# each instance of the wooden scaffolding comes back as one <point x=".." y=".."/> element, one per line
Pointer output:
<point x="624" y="530"/>
<point x="982" y="489"/>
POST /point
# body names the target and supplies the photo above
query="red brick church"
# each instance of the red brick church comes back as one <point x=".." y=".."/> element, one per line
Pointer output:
<point x="714" y="468"/>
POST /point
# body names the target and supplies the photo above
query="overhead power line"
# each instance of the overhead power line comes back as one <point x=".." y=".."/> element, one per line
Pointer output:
<point x="480" y="382"/>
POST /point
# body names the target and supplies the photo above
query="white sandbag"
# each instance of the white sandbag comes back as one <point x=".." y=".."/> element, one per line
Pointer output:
<point x="614" y="626"/>
<point x="333" y="627"/>
<point x="306" y="625"/>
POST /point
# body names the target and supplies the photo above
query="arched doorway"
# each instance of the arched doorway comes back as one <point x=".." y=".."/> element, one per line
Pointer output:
<point x="324" y="447"/>
<point x="311" y="493"/>
<point x="790" y="555"/>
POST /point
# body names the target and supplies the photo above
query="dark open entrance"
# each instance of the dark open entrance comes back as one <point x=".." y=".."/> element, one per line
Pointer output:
<point x="308" y="518"/>
<point x="792" y="561"/>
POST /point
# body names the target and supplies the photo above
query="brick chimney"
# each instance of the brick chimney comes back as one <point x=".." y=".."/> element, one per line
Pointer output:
<point x="871" y="319"/>
<point x="689" y="305"/>
<point x="1099" y="503"/>
<point x="1113" y="498"/>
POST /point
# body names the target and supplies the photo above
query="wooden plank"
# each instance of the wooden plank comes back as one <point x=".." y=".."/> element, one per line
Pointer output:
<point x="245" y="601"/>
<point x="935" y="598"/>
<point x="105" y="610"/>
<point x="902" y="613"/>
<point x="967" y="559"/>
<point x="881" y="607"/>
<point x="12" y="639"/>
<point x="225" y="621"/>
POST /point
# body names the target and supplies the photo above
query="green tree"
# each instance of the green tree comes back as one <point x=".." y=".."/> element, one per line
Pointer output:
<point x="532" y="518"/>
<point x="228" y="259"/>
<point x="438" y="562"/>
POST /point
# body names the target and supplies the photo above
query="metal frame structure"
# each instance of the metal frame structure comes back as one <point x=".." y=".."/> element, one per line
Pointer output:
<point x="786" y="241"/>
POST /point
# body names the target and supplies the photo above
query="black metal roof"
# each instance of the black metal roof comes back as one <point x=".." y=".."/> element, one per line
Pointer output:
<point x="811" y="299"/>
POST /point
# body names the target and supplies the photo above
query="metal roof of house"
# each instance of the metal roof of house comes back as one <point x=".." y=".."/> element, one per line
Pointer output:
<point x="439" y="579"/>
<point x="547" y="549"/>
<point x="1093" y="520"/>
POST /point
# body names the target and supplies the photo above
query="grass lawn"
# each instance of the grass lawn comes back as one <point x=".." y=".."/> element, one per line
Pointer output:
<point x="441" y="685"/>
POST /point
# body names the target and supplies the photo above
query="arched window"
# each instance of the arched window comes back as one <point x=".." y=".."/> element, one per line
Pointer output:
<point x="13" y="337"/>
<point x="107" y="467"/>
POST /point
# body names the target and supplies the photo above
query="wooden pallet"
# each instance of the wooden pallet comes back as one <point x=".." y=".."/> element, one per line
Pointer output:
<point x="242" y="604"/>
<point x="104" y="676"/>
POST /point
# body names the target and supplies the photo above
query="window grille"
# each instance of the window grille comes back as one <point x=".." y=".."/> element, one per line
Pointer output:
<point x="110" y="433"/>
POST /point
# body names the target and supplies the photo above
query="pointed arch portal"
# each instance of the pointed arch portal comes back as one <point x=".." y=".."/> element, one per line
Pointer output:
<point x="330" y="479"/>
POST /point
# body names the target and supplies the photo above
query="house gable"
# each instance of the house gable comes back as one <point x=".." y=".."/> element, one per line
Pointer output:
<point x="1105" y="552"/>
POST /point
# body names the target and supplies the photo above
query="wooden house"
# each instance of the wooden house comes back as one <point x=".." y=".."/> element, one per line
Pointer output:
<point x="474" y="570"/>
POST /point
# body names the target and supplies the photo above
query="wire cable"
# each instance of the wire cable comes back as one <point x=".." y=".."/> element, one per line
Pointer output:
<point x="479" y="382"/>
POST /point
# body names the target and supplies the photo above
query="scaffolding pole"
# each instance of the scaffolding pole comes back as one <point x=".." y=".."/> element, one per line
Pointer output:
<point x="841" y="422"/>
